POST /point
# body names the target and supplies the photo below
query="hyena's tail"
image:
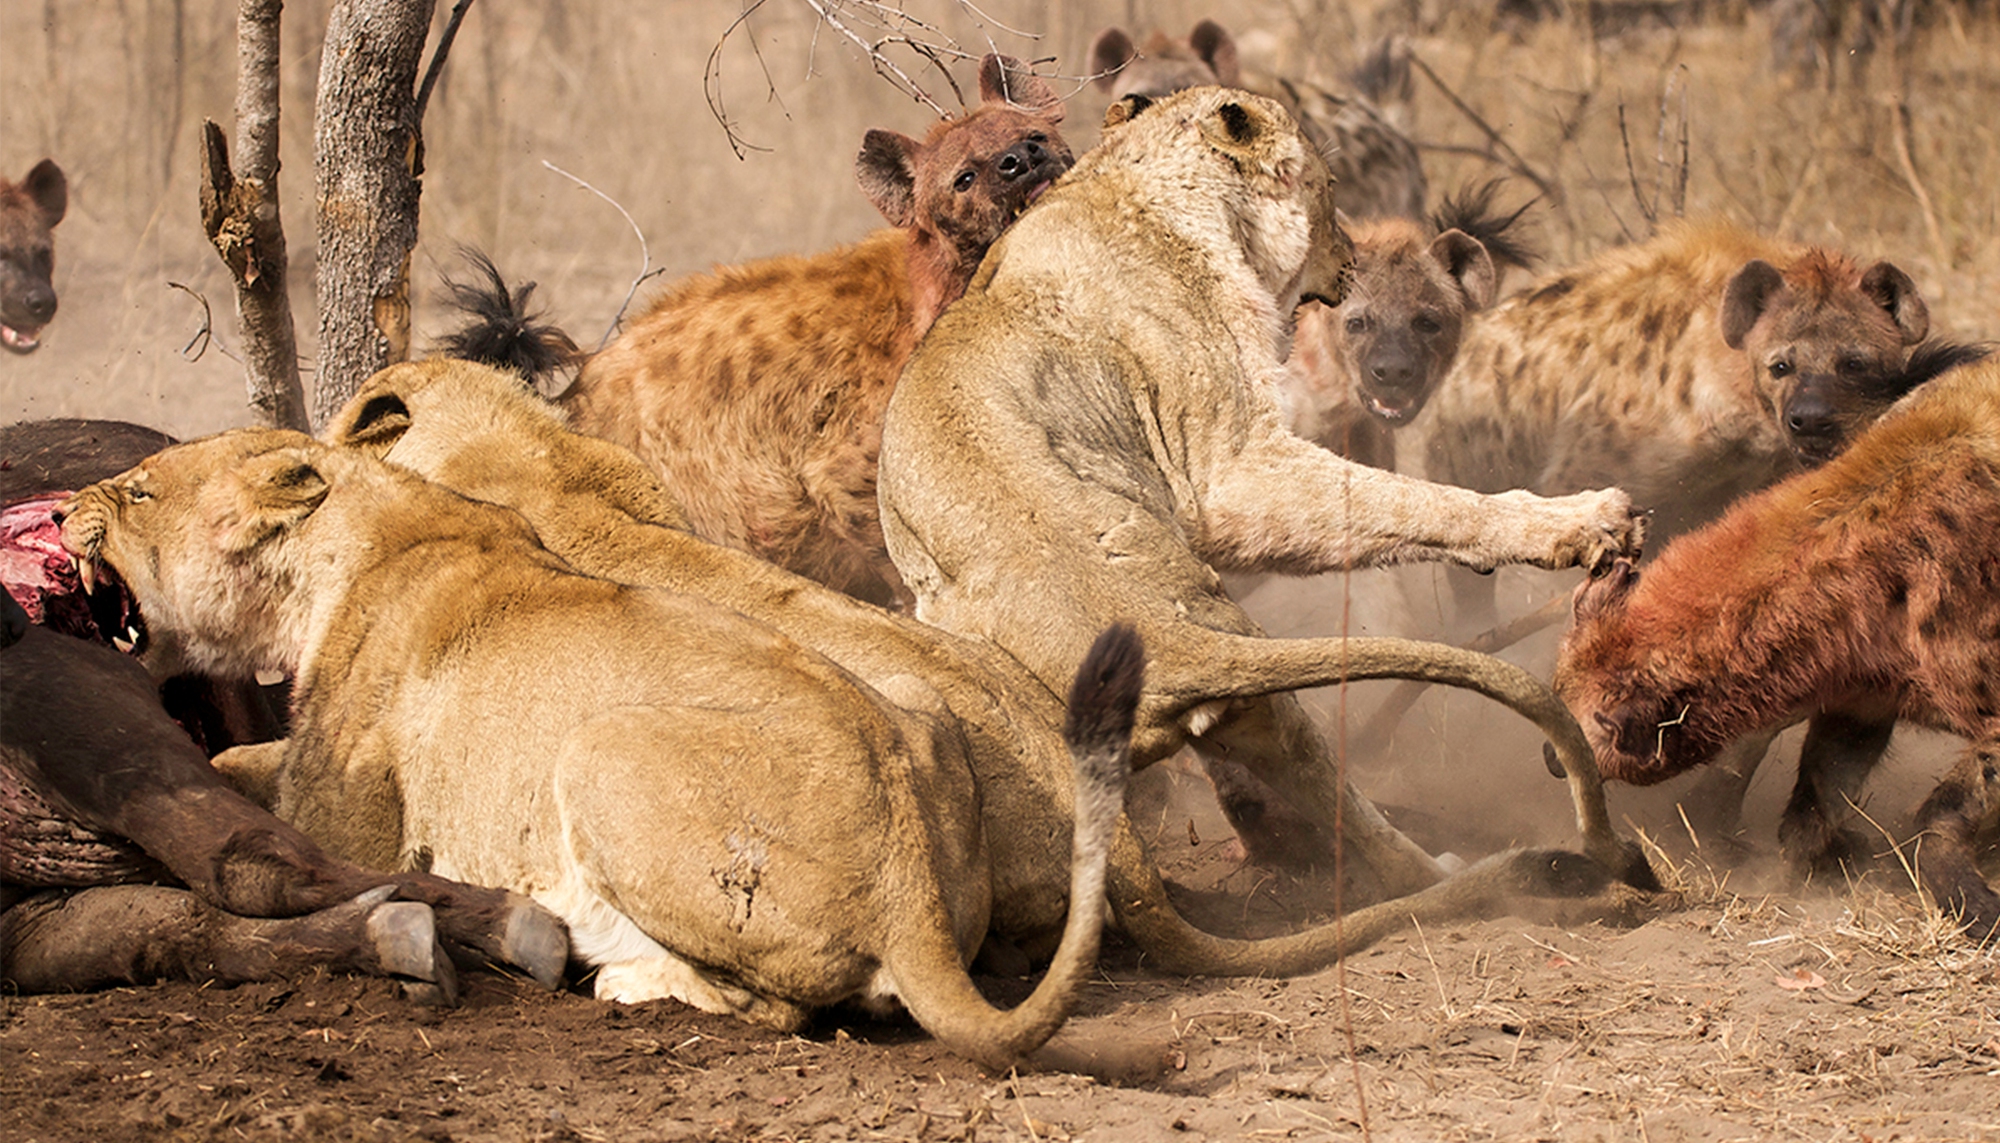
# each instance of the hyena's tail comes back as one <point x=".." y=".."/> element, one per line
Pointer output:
<point x="1103" y="701"/>
<point x="500" y="330"/>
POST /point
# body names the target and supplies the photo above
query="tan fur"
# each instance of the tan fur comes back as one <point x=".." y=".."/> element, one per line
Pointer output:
<point x="718" y="813"/>
<point x="1093" y="431"/>
<point x="477" y="431"/>
<point x="1375" y="164"/>
<point x="1619" y="371"/>
<point x="1864" y="589"/>
<point x="756" y="392"/>
<point x="29" y="211"/>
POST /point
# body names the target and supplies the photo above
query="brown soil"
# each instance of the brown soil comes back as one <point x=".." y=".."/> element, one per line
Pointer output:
<point x="1844" y="1015"/>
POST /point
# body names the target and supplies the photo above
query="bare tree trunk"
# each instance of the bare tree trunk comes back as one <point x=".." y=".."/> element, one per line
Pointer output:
<point x="367" y="159"/>
<point x="240" y="215"/>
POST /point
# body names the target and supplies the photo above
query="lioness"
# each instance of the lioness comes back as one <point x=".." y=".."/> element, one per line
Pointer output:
<point x="479" y="431"/>
<point x="1092" y="431"/>
<point x="719" y="814"/>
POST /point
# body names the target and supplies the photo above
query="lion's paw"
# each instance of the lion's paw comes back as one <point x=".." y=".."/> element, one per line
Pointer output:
<point x="1607" y="527"/>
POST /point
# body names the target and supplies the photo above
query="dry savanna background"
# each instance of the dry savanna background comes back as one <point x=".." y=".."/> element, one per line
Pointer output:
<point x="1751" y="1007"/>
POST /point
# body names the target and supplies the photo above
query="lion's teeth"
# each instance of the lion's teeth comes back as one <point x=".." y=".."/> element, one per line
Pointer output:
<point x="86" y="573"/>
<point x="123" y="644"/>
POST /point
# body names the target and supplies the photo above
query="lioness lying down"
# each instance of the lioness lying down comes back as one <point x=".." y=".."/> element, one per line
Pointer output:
<point x="481" y="432"/>
<point x="1092" y="432"/>
<point x="719" y="814"/>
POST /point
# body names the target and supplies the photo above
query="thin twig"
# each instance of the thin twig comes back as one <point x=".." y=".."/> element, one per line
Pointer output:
<point x="1503" y="152"/>
<point x="1646" y="209"/>
<point x="1899" y="137"/>
<point x="645" y="252"/>
<point x="438" y="55"/>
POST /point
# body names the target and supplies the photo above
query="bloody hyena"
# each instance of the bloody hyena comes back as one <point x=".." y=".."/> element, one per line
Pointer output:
<point x="1362" y="370"/>
<point x="756" y="392"/>
<point x="1376" y="169"/>
<point x="29" y="211"/>
<point x="1867" y="589"/>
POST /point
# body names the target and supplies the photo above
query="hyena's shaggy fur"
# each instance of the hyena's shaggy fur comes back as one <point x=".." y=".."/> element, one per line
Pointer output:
<point x="1360" y="371"/>
<point x="756" y="392"/>
<point x="29" y="211"/>
<point x="1375" y="163"/>
<point x="1868" y="589"/>
<point x="1687" y="370"/>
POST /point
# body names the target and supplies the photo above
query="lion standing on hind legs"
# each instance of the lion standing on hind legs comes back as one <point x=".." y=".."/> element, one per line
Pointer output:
<point x="1092" y="432"/>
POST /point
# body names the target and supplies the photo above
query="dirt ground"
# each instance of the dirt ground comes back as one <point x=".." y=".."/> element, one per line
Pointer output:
<point x="1746" y="1008"/>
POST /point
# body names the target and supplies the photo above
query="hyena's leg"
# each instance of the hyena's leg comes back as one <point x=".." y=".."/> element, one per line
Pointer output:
<point x="1840" y="752"/>
<point x="1965" y="805"/>
<point x="136" y="934"/>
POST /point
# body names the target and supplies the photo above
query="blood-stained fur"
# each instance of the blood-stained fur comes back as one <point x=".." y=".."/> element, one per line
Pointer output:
<point x="29" y="211"/>
<point x="1362" y="370"/>
<point x="1375" y="164"/>
<point x="1867" y="589"/>
<point x="756" y="392"/>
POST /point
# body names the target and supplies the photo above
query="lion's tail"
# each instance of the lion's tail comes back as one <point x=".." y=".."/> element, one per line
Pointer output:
<point x="1103" y="703"/>
<point x="500" y="330"/>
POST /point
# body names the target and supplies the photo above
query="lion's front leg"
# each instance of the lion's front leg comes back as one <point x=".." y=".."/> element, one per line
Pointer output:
<point x="1286" y="505"/>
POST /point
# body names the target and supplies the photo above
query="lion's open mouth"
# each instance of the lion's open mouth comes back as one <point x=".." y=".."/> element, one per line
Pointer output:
<point x="76" y="595"/>
<point x="21" y="340"/>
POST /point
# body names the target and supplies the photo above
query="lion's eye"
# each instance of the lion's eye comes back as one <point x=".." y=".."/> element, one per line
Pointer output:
<point x="136" y="495"/>
<point x="963" y="182"/>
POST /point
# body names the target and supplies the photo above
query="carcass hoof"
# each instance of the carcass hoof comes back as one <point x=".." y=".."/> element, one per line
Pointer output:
<point x="404" y="937"/>
<point x="535" y="941"/>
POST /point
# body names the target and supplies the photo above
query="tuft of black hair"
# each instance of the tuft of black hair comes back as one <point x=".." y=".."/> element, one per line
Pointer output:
<point x="501" y="331"/>
<point x="1104" y="698"/>
<point x="1934" y="357"/>
<point x="1471" y="210"/>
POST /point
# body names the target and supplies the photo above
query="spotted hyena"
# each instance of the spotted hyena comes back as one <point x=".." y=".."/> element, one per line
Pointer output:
<point x="756" y="391"/>
<point x="1376" y="168"/>
<point x="1868" y="589"/>
<point x="29" y="211"/>
<point x="1366" y="368"/>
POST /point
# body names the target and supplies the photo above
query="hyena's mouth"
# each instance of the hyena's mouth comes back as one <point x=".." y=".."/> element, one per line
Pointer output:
<point x="20" y="340"/>
<point x="1394" y="410"/>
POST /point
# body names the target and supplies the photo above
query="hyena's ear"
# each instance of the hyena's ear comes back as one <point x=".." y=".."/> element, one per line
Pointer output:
<point x="1006" y="80"/>
<point x="48" y="190"/>
<point x="1125" y="110"/>
<point x="1469" y="263"/>
<point x="1217" y="48"/>
<point x="1109" y="55"/>
<point x="1745" y="299"/>
<point x="886" y="168"/>
<point x="1612" y="586"/>
<point x="1893" y="290"/>
<point x="274" y="491"/>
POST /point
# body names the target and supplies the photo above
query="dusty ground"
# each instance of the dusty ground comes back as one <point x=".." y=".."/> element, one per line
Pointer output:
<point x="1824" y="1016"/>
<point x="1751" y="1010"/>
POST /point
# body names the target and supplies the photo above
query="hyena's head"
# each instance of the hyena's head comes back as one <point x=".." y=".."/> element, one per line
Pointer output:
<point x="1615" y="671"/>
<point x="968" y="179"/>
<point x="29" y="211"/>
<point x="1829" y="343"/>
<point x="1164" y="65"/>
<point x="1414" y="288"/>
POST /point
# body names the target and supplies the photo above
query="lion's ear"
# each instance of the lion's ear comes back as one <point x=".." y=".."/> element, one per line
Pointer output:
<point x="1235" y="131"/>
<point x="275" y="491"/>
<point x="373" y="424"/>
<point x="1125" y="110"/>
<point x="887" y="171"/>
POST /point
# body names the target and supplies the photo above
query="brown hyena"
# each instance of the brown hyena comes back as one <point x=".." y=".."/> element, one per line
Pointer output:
<point x="1375" y="164"/>
<point x="1364" y="369"/>
<point x="756" y="391"/>
<point x="29" y="211"/>
<point x="1868" y="589"/>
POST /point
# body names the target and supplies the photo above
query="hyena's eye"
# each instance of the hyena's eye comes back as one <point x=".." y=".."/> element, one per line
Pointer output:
<point x="1357" y="325"/>
<point x="1426" y="325"/>
<point x="964" y="181"/>
<point x="1781" y="368"/>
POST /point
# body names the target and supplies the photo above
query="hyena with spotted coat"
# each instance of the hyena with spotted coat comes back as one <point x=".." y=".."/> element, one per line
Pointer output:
<point x="756" y="392"/>
<point x="29" y="211"/>
<point x="1375" y="164"/>
<point x="1868" y="590"/>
